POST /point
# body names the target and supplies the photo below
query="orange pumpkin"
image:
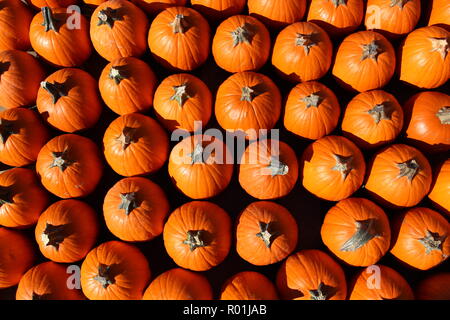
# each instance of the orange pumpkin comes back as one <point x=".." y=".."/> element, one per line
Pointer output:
<point x="68" y="100"/>
<point x="94" y="3"/>
<point x="22" y="199"/>
<point x="266" y="233"/>
<point x="154" y="7"/>
<point x="200" y="166"/>
<point x="16" y="255"/>
<point x="179" y="39"/>
<point x="127" y="85"/>
<point x="69" y="166"/>
<point x="181" y="100"/>
<point x="357" y="231"/>
<point x="379" y="282"/>
<point x="275" y="13"/>
<point x="440" y="191"/>
<point x="67" y="231"/>
<point x="135" y="144"/>
<point x="421" y="238"/>
<point x="118" y="30"/>
<point x="241" y="43"/>
<point x="14" y="36"/>
<point x="115" y="271"/>
<point x="372" y="119"/>
<point x="22" y="135"/>
<point x="269" y="163"/>
<point x="364" y="61"/>
<point x="248" y="102"/>
<point x="434" y="287"/>
<point x="135" y="209"/>
<point x="311" y="275"/>
<point x="333" y="168"/>
<point x="197" y="235"/>
<point x="425" y="61"/>
<point x="52" y="3"/>
<point x="399" y="176"/>
<point x="218" y="9"/>
<point x="20" y="76"/>
<point x="248" y="285"/>
<point x="179" y="284"/>
<point x="312" y="110"/>
<point x="54" y="37"/>
<point x="302" y="52"/>
<point x="428" y="121"/>
<point x="440" y="13"/>
<point x="337" y="17"/>
<point x="393" y="18"/>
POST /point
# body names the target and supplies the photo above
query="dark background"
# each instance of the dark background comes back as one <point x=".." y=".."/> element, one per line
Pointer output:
<point x="308" y="210"/>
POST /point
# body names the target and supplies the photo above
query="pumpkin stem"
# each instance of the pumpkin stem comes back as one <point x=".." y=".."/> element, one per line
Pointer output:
<point x="409" y="169"/>
<point x="60" y="160"/>
<point x="306" y="41"/>
<point x="49" y="21"/>
<point x="343" y="165"/>
<point x="365" y="231"/>
<point x="432" y="241"/>
<point x="127" y="137"/>
<point x="247" y="94"/>
<point x="313" y="100"/>
<point x="195" y="239"/>
<point x="36" y="296"/>
<point x="108" y="16"/>
<point x="197" y="155"/>
<point x="399" y="3"/>
<point x="440" y="45"/>
<point x="323" y="292"/>
<point x="129" y="202"/>
<point x="337" y="3"/>
<point x="380" y="112"/>
<point x="118" y="73"/>
<point x="241" y="35"/>
<point x="104" y="276"/>
<point x="6" y="196"/>
<point x="267" y="233"/>
<point x="277" y="168"/>
<point x="371" y="50"/>
<point x="57" y="90"/>
<point x="4" y="66"/>
<point x="179" y="24"/>
<point x="180" y="94"/>
<point x="53" y="235"/>
<point x="7" y="128"/>
<point x="444" y="115"/>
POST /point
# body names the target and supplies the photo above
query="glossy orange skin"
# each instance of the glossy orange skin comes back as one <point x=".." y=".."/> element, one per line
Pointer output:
<point x="383" y="177"/>
<point x="413" y="225"/>
<point x="337" y="21"/>
<point x="254" y="170"/>
<point x="20" y="75"/>
<point x="293" y="62"/>
<point x="184" y="51"/>
<point x="80" y="109"/>
<point x="17" y="256"/>
<point x="361" y="127"/>
<point x="81" y="225"/>
<point x="154" y="7"/>
<point x="339" y="226"/>
<point x="196" y="216"/>
<point x="313" y="122"/>
<point x="392" y="286"/>
<point x="144" y="222"/>
<point x="419" y="64"/>
<point x="28" y="198"/>
<point x="440" y="13"/>
<point x="49" y="281"/>
<point x="248" y="117"/>
<point x="52" y="3"/>
<point x="277" y="14"/>
<point x="14" y="36"/>
<point x="80" y="178"/>
<point x="28" y="136"/>
<point x="126" y="38"/>
<point x="245" y="56"/>
<point x="130" y="269"/>
<point x="317" y="164"/>
<point x="197" y="107"/>
<point x="423" y="127"/>
<point x="248" y="285"/>
<point x="440" y="191"/>
<point x="356" y="74"/>
<point x="434" y="287"/>
<point x="218" y="9"/>
<point x="179" y="284"/>
<point x="305" y="270"/>
<point x="94" y="2"/>
<point x="132" y="94"/>
<point x="200" y="180"/>
<point x="252" y="248"/>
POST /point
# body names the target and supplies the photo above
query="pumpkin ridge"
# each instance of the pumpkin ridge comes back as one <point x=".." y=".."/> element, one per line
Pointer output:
<point x="267" y="233"/>
<point x="56" y="89"/>
<point x="444" y="115"/>
<point x="365" y="231"/>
